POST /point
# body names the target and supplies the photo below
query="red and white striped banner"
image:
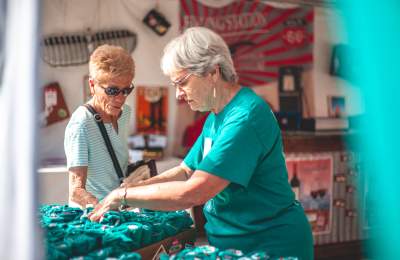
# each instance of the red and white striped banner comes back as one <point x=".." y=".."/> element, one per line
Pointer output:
<point x="261" y="37"/>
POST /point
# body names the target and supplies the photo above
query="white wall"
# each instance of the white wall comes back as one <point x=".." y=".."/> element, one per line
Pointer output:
<point x="318" y="84"/>
<point x="66" y="16"/>
<point x="329" y="30"/>
<point x="71" y="16"/>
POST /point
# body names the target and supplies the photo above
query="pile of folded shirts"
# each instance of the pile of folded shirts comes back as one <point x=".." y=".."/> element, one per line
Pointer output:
<point x="70" y="234"/>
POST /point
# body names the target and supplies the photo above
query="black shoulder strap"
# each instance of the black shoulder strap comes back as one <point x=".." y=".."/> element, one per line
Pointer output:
<point x="110" y="149"/>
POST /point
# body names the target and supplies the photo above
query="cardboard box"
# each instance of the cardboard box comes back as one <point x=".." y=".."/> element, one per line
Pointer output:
<point x="169" y="245"/>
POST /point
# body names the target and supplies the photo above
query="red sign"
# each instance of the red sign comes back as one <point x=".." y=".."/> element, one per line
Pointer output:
<point x="261" y="38"/>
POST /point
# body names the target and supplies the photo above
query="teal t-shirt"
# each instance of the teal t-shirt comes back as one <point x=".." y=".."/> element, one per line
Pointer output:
<point x="257" y="210"/>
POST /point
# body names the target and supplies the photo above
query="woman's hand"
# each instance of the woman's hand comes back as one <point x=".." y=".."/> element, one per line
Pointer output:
<point x="129" y="185"/>
<point x="90" y="199"/>
<point x="111" y="202"/>
<point x="137" y="176"/>
<point x="83" y="198"/>
<point x="77" y="191"/>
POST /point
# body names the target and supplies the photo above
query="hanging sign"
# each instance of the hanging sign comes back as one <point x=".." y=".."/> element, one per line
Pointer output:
<point x="54" y="106"/>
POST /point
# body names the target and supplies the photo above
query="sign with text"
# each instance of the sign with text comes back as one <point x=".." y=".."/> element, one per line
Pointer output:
<point x="261" y="38"/>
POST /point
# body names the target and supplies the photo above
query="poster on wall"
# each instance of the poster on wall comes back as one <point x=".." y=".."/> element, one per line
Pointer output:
<point x="261" y="38"/>
<point x="336" y="106"/>
<point x="311" y="178"/>
<point x="151" y="110"/>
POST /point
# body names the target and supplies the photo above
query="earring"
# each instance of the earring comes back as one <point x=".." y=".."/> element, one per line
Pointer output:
<point x="214" y="93"/>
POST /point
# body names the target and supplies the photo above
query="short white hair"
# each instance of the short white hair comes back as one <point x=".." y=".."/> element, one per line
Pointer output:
<point x="198" y="50"/>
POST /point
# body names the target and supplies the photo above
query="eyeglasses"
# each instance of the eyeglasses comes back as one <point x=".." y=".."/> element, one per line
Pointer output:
<point x="180" y="81"/>
<point x="114" y="91"/>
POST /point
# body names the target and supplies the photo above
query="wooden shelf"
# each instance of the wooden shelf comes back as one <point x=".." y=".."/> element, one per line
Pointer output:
<point x="310" y="142"/>
<point x="351" y="250"/>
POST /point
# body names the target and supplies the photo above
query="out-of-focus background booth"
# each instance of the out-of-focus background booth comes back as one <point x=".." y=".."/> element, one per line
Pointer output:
<point x="293" y="55"/>
<point x="318" y="84"/>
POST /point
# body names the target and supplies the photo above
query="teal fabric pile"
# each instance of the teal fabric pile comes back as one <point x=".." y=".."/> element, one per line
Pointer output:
<point x="212" y="253"/>
<point x="70" y="234"/>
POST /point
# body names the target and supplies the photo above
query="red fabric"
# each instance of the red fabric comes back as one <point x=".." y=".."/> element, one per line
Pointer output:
<point x="193" y="131"/>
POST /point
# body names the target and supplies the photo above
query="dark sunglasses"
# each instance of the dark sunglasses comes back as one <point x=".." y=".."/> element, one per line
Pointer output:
<point x="114" y="91"/>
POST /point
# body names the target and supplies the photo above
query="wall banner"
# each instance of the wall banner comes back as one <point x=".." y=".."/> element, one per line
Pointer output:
<point x="261" y="38"/>
<point x="311" y="178"/>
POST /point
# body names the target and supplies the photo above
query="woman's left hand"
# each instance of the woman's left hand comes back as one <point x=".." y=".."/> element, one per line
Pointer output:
<point x="111" y="202"/>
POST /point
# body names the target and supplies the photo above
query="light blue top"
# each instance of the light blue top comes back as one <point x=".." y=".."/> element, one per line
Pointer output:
<point x="84" y="146"/>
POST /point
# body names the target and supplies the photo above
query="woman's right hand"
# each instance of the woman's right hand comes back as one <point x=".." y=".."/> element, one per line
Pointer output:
<point x="111" y="202"/>
<point x="128" y="185"/>
<point x="90" y="199"/>
<point x="83" y="198"/>
<point x="136" y="177"/>
<point x="77" y="191"/>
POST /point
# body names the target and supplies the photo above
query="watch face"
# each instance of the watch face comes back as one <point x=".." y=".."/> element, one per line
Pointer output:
<point x="288" y="83"/>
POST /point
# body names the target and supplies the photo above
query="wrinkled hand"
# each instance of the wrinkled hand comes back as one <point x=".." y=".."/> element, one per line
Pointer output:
<point x="92" y="200"/>
<point x="141" y="173"/>
<point x="111" y="202"/>
<point x="82" y="198"/>
<point x="128" y="185"/>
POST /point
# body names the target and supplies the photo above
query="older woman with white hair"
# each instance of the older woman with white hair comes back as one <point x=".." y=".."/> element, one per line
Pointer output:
<point x="236" y="167"/>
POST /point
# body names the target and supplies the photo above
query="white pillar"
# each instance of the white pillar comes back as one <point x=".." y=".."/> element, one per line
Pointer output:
<point x="19" y="98"/>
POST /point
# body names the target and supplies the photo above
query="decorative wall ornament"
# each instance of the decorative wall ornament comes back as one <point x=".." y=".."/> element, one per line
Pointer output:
<point x="157" y="22"/>
<point x="75" y="49"/>
<point x="54" y="107"/>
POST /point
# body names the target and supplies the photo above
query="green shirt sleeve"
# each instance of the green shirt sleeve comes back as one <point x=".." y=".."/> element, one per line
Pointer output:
<point x="235" y="152"/>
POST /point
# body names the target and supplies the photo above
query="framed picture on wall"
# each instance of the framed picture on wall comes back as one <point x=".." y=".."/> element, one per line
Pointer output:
<point x="340" y="63"/>
<point x="289" y="79"/>
<point x="151" y="109"/>
<point x="336" y="106"/>
<point x="311" y="179"/>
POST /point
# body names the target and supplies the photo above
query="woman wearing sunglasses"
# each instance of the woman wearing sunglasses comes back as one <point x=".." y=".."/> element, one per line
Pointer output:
<point x="236" y="167"/>
<point x="91" y="171"/>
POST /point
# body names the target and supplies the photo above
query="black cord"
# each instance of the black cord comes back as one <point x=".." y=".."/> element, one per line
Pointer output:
<point x="110" y="149"/>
